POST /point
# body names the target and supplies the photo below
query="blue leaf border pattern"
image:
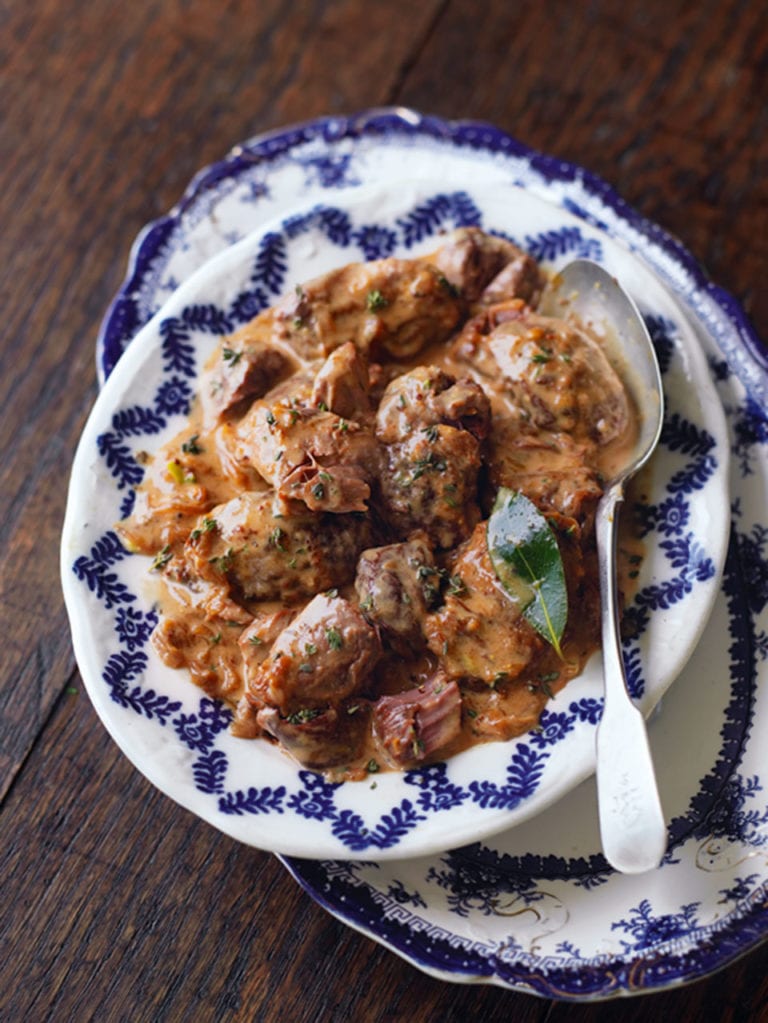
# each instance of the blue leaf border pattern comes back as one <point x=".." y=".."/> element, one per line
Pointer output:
<point x="315" y="799"/>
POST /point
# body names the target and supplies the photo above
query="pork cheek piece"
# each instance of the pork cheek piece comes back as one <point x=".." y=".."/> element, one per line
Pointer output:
<point x="261" y="555"/>
<point x="323" y="656"/>
<point x="396" y="585"/>
<point x="412" y="726"/>
<point x="430" y="426"/>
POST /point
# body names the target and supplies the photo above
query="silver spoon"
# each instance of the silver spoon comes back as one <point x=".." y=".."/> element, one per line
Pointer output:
<point x="632" y="827"/>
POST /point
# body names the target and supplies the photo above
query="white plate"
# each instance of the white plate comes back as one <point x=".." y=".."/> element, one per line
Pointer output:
<point x="606" y="935"/>
<point x="249" y="789"/>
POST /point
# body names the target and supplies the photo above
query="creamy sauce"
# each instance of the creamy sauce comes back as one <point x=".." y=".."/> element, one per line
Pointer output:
<point x="295" y="464"/>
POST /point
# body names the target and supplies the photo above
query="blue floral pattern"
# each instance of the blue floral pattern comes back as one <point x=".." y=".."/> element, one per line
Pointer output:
<point x="435" y="793"/>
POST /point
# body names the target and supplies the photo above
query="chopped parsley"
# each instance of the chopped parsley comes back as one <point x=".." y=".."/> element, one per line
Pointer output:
<point x="276" y="538"/>
<point x="162" y="558"/>
<point x="428" y="463"/>
<point x="191" y="447"/>
<point x="456" y="586"/>
<point x="223" y="562"/>
<point x="206" y="527"/>
<point x="334" y="637"/>
<point x="301" y="717"/>
<point x="376" y="301"/>
<point x="452" y="290"/>
<point x="230" y="356"/>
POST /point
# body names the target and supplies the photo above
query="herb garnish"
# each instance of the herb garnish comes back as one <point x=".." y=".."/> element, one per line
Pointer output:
<point x="206" y="527"/>
<point x="524" y="552"/>
<point x="452" y="290"/>
<point x="191" y="447"/>
<point x="231" y="356"/>
<point x="301" y="717"/>
<point x="456" y="586"/>
<point x="223" y="562"/>
<point x="429" y="462"/>
<point x="375" y="301"/>
<point x="276" y="538"/>
<point x="162" y="558"/>
<point x="334" y="637"/>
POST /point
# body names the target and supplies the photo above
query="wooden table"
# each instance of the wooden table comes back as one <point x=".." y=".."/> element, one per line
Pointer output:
<point x="117" y="904"/>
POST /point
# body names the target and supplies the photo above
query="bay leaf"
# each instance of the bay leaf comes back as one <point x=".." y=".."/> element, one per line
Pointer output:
<point x="526" y="557"/>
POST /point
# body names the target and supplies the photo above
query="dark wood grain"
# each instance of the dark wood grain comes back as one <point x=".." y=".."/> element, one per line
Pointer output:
<point x="117" y="904"/>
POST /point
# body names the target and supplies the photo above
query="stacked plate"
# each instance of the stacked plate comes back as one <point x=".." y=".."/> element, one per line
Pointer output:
<point x="486" y="868"/>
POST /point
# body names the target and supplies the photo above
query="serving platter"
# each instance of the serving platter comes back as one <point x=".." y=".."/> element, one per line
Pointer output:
<point x="177" y="736"/>
<point x="536" y="908"/>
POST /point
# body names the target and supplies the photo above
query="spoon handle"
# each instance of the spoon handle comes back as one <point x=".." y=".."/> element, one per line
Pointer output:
<point x="632" y="827"/>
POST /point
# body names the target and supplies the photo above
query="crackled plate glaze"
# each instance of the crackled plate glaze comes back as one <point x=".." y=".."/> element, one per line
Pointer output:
<point x="536" y="908"/>
<point x="250" y="789"/>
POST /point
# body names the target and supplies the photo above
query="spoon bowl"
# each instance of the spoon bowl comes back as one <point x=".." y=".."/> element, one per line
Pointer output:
<point x="632" y="826"/>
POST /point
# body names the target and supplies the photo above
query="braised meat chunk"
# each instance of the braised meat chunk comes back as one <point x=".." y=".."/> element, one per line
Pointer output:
<point x="488" y="268"/>
<point x="243" y="369"/>
<point x="261" y="555"/>
<point x="396" y="585"/>
<point x="430" y="483"/>
<point x="391" y="307"/>
<point x="430" y="425"/>
<point x="480" y="633"/>
<point x="318" y="739"/>
<point x="342" y="386"/>
<point x="309" y="454"/>
<point x="415" y="725"/>
<point x="427" y="397"/>
<point x="323" y="656"/>
<point x="551" y="469"/>
<point x="560" y="379"/>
